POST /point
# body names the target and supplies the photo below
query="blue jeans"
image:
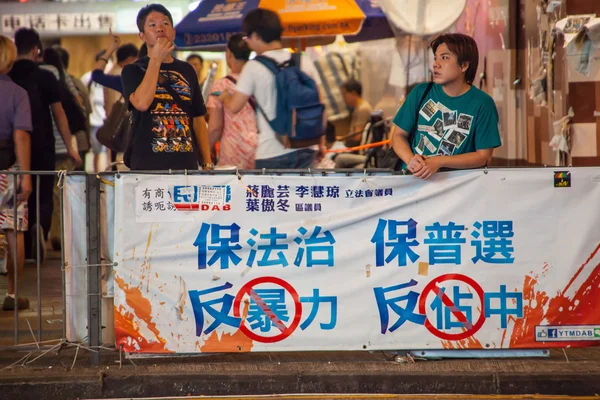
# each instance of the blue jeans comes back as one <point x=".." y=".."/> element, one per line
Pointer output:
<point x="302" y="158"/>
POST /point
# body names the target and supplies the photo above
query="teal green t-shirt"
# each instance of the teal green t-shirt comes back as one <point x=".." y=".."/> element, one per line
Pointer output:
<point x="450" y="125"/>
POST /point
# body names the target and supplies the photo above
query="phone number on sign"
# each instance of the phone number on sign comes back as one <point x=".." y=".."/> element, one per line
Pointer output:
<point x="207" y="38"/>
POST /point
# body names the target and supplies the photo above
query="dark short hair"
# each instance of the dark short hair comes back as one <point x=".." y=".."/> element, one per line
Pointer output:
<point x="126" y="51"/>
<point x="465" y="49"/>
<point x="238" y="47"/>
<point x="26" y="40"/>
<point x="192" y="56"/>
<point x="353" y="86"/>
<point x="52" y="57"/>
<point x="146" y="10"/>
<point x="265" y="23"/>
<point x="64" y="55"/>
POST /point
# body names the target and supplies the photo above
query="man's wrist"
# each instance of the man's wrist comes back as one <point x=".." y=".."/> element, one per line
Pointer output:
<point x="208" y="165"/>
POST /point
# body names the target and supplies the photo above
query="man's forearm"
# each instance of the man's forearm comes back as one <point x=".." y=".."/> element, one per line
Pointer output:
<point x="201" y="132"/>
<point x="60" y="119"/>
<point x="23" y="149"/>
<point x="143" y="96"/>
<point x="466" y="161"/>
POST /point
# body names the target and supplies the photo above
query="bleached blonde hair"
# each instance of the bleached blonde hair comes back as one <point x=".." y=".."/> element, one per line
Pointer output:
<point x="8" y="54"/>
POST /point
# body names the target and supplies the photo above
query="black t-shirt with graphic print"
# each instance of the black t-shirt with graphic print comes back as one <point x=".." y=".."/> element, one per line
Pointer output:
<point x="163" y="136"/>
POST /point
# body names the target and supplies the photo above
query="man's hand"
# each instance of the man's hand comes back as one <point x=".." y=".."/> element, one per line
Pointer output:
<point x="416" y="163"/>
<point x="25" y="188"/>
<point x="75" y="157"/>
<point x="224" y="96"/>
<point x="431" y="166"/>
<point x="162" y="49"/>
<point x="115" y="42"/>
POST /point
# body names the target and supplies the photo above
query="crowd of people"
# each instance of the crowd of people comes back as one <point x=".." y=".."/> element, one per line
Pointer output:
<point x="445" y="124"/>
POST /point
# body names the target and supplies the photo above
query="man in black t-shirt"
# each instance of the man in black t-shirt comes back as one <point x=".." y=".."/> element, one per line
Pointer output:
<point x="45" y="101"/>
<point x="168" y="133"/>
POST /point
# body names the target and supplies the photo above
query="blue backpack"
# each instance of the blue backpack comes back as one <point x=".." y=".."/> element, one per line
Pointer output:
<point x="299" y="112"/>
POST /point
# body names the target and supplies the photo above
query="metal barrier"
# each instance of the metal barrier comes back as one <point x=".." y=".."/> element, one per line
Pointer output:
<point x="94" y="262"/>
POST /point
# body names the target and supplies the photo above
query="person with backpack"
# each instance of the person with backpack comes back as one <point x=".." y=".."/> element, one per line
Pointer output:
<point x="289" y="111"/>
<point x="15" y="128"/>
<point x="237" y="132"/>
<point x="45" y="102"/>
<point x="447" y="123"/>
<point x="159" y="89"/>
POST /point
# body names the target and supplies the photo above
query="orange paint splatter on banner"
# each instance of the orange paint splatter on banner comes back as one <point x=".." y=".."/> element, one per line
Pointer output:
<point x="142" y="309"/>
<point x="229" y="342"/>
<point x="558" y="310"/>
<point x="469" y="343"/>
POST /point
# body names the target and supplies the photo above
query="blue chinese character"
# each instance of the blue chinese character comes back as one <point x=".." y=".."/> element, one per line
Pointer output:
<point x="378" y="192"/>
<point x="358" y="193"/>
<point x="268" y="205"/>
<point x="349" y="194"/>
<point x="405" y="313"/>
<point x="317" y="191"/>
<point x="266" y="260"/>
<point x="221" y="316"/>
<point x="223" y="247"/>
<point x="318" y="207"/>
<point x="302" y="191"/>
<point x="333" y="192"/>
<point x="299" y="207"/>
<point x="267" y="307"/>
<point x="252" y="191"/>
<point x="283" y="205"/>
<point x="444" y="243"/>
<point x="267" y="191"/>
<point x="503" y="296"/>
<point x="252" y="205"/>
<point x="388" y="192"/>
<point x="444" y="313"/>
<point x="497" y="247"/>
<point x="314" y="246"/>
<point x="398" y="241"/>
<point x="368" y="193"/>
<point x="316" y="301"/>
<point x="308" y="207"/>
<point x="283" y="192"/>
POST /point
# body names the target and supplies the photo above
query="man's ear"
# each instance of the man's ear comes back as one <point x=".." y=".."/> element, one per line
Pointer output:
<point x="464" y="67"/>
<point x="142" y="37"/>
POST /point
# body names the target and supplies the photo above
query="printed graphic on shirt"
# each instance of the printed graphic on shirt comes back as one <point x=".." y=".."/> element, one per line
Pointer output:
<point x="456" y="137"/>
<point x="449" y="120"/>
<point x="428" y="110"/>
<point x="438" y="129"/>
<point x="464" y="122"/>
<point x="170" y="124"/>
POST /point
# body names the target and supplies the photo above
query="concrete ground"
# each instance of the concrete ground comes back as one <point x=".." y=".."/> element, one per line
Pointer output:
<point x="66" y="371"/>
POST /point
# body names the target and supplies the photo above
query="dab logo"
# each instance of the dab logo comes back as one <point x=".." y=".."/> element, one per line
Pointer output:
<point x="562" y="179"/>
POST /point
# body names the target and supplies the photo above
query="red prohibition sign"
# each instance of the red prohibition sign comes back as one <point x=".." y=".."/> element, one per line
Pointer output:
<point x="248" y="288"/>
<point x="433" y="287"/>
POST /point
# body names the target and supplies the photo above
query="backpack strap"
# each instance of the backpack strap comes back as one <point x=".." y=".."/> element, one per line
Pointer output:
<point x="413" y="132"/>
<point x="271" y="64"/>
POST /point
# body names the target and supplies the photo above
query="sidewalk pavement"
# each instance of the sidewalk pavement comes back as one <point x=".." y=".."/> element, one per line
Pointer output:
<point x="52" y="376"/>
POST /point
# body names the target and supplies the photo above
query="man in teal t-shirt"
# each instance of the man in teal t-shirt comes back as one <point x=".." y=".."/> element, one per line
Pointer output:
<point x="457" y="124"/>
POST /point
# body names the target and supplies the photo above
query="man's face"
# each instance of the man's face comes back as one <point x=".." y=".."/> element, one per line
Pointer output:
<point x="445" y="66"/>
<point x="157" y="25"/>
<point x="195" y="62"/>
<point x="349" y="97"/>
<point x="252" y="41"/>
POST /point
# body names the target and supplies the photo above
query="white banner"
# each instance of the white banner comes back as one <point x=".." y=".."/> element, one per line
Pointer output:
<point x="472" y="259"/>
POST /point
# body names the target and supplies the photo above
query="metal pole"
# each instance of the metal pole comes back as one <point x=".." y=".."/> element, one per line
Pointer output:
<point x="38" y="257"/>
<point x="93" y="260"/>
<point x="62" y="262"/>
<point x="16" y="257"/>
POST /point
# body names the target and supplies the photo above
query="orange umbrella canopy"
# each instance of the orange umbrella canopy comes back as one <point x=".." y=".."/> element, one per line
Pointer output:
<point x="304" y="18"/>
